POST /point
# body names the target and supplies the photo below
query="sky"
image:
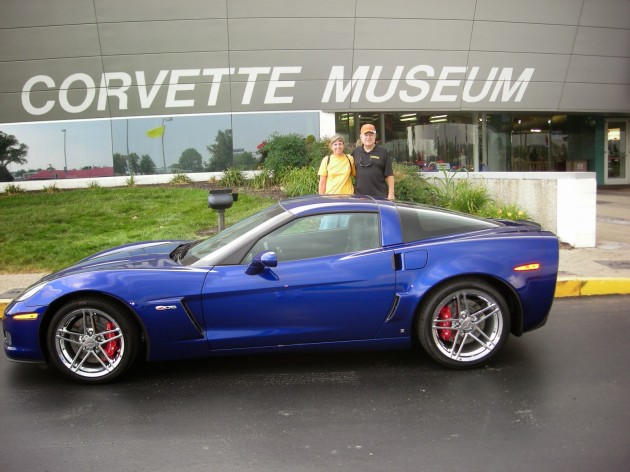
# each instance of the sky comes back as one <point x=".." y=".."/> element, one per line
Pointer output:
<point x="92" y="142"/>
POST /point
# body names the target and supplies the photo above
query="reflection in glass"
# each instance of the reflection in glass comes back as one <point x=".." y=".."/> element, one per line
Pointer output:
<point x="151" y="145"/>
<point x="616" y="138"/>
<point x="442" y="142"/>
<point x="179" y="144"/>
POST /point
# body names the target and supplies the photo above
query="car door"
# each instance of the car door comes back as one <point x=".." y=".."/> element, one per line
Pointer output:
<point x="327" y="287"/>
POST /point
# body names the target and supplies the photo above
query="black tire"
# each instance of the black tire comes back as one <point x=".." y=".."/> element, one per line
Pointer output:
<point x="464" y="323"/>
<point x="92" y="340"/>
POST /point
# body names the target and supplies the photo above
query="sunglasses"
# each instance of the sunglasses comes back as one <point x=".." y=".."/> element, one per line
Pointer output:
<point x="365" y="165"/>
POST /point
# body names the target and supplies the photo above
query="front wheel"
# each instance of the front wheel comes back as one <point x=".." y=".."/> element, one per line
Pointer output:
<point x="464" y="324"/>
<point x="92" y="340"/>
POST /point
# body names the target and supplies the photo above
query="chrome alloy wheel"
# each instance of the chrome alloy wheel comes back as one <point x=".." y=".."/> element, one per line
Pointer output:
<point x="89" y="342"/>
<point x="467" y="325"/>
<point x="464" y="323"/>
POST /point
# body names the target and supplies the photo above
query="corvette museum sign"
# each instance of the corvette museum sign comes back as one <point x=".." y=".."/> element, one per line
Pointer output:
<point x="198" y="90"/>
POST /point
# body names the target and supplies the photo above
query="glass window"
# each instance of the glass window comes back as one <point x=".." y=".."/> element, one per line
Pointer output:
<point x="419" y="224"/>
<point x="440" y="141"/>
<point x="430" y="140"/>
<point x="524" y="143"/>
<point x="166" y="145"/>
<point x="151" y="145"/>
<point x="315" y="236"/>
<point x="218" y="248"/>
<point x="252" y="129"/>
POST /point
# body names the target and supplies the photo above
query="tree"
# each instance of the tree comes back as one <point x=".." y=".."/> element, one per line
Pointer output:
<point x="120" y="164"/>
<point x="133" y="162"/>
<point x="191" y="160"/>
<point x="245" y="161"/>
<point x="285" y="152"/>
<point x="221" y="151"/>
<point x="11" y="152"/>
<point x="147" y="166"/>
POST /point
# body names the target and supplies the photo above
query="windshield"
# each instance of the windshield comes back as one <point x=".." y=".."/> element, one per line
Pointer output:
<point x="230" y="234"/>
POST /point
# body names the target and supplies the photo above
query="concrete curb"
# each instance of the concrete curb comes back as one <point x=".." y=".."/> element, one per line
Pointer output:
<point x="565" y="287"/>
<point x="588" y="286"/>
<point x="3" y="305"/>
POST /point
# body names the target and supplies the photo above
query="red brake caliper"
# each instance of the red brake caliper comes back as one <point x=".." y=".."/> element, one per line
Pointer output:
<point x="445" y="314"/>
<point x="111" y="348"/>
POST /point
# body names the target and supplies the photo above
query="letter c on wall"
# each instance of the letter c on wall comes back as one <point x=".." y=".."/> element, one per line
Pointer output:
<point x="26" y="95"/>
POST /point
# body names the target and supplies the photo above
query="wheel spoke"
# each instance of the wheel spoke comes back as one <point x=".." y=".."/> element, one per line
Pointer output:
<point x="493" y="307"/>
<point x="68" y="336"/>
<point x="76" y="357"/>
<point x="461" y="301"/>
<point x="108" y="366"/>
<point x="487" y="346"/>
<point x="461" y="346"/>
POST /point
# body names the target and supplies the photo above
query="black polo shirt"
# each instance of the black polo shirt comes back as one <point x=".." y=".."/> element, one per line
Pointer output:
<point x="372" y="168"/>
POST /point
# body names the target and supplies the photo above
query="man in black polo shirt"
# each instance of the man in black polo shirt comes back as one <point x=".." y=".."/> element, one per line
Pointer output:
<point x="375" y="176"/>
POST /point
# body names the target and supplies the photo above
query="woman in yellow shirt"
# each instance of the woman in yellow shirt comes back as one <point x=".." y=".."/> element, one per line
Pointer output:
<point x="336" y="170"/>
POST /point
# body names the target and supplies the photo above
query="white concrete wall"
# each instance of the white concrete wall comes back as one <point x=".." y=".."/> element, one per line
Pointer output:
<point x="562" y="202"/>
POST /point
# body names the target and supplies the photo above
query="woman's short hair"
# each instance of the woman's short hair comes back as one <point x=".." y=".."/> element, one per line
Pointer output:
<point x="335" y="138"/>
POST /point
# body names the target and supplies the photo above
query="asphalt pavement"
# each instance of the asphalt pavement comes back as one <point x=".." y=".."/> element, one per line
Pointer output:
<point x="554" y="400"/>
<point x="602" y="270"/>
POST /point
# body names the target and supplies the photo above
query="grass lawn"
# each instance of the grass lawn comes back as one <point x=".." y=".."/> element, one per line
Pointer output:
<point x="47" y="231"/>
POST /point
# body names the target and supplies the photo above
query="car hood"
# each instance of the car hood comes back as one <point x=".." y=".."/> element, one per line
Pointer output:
<point x="142" y="255"/>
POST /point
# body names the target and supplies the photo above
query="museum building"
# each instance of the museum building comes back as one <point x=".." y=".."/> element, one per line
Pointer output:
<point x="487" y="85"/>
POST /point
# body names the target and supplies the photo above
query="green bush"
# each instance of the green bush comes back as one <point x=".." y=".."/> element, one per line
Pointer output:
<point x="233" y="177"/>
<point x="180" y="179"/>
<point x="503" y="211"/>
<point x="410" y="186"/>
<point x="316" y="150"/>
<point x="469" y="198"/>
<point x="300" y="181"/>
<point x="13" y="189"/>
<point x="264" y="179"/>
<point x="285" y="152"/>
<point x="52" y="188"/>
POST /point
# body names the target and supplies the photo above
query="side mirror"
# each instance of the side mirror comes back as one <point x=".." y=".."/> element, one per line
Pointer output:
<point x="261" y="261"/>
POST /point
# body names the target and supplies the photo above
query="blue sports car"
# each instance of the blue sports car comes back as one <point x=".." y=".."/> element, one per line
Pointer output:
<point x="316" y="273"/>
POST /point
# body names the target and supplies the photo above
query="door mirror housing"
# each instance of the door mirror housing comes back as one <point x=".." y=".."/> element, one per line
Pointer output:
<point x="261" y="261"/>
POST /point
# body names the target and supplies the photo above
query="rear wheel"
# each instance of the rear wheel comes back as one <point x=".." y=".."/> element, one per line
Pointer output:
<point x="92" y="340"/>
<point x="464" y="323"/>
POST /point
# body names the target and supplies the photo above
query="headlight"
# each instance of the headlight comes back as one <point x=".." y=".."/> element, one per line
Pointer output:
<point x="29" y="292"/>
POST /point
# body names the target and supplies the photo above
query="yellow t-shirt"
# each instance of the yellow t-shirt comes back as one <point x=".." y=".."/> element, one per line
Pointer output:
<point x="338" y="172"/>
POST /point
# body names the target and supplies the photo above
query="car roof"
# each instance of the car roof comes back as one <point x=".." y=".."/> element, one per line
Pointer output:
<point x="310" y="204"/>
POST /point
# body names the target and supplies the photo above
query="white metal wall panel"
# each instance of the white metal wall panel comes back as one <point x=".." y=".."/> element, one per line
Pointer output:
<point x="606" y="13"/>
<point x="113" y="11"/>
<point x="157" y="37"/>
<point x="522" y="37"/>
<point x="165" y="57"/>
<point x="32" y="13"/>
<point x="555" y="12"/>
<point x="304" y="34"/>
<point x="291" y="8"/>
<point x="48" y="42"/>
<point x="412" y="34"/>
<point x="428" y="9"/>
<point x="594" y="69"/>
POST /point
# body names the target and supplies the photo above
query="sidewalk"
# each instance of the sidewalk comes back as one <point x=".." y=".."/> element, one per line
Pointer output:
<point x="602" y="270"/>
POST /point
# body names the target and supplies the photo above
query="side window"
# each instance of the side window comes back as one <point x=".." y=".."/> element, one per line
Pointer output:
<point x="320" y="236"/>
<point x="418" y="223"/>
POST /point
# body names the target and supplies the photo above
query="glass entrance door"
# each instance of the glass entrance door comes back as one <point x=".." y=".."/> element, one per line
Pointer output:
<point x="616" y="152"/>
